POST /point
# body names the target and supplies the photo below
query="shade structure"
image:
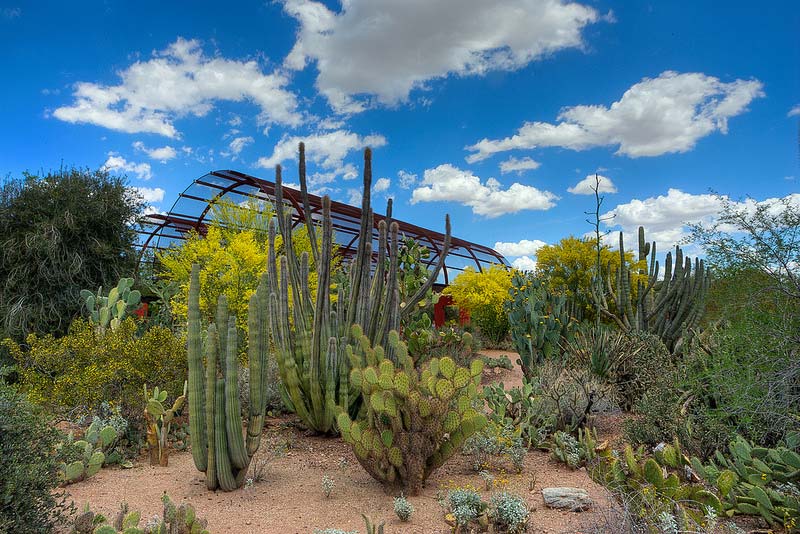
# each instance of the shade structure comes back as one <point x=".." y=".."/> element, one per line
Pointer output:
<point x="192" y="211"/>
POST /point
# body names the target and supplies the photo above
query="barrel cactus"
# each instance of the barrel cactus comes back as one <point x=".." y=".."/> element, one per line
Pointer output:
<point x="218" y="447"/>
<point x="415" y="419"/>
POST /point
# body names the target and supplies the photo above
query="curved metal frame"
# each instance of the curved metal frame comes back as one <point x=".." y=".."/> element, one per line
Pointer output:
<point x="161" y="230"/>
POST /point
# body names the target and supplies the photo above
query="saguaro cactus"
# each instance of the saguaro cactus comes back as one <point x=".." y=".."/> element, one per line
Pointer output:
<point x="310" y="334"/>
<point x="670" y="307"/>
<point x="218" y="446"/>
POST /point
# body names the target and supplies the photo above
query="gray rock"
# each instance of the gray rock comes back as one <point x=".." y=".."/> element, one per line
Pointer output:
<point x="574" y="499"/>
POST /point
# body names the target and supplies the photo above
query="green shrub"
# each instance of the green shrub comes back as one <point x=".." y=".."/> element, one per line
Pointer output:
<point x="81" y="370"/>
<point x="402" y="508"/>
<point x="29" y="502"/>
<point x="509" y="512"/>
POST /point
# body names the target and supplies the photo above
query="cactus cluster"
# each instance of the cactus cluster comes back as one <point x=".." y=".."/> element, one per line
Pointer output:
<point x="110" y="311"/>
<point x="669" y="307"/>
<point x="659" y="483"/>
<point x="415" y="420"/>
<point x="89" y="451"/>
<point x="309" y="335"/>
<point x="757" y="481"/>
<point x="174" y="520"/>
<point x="574" y="452"/>
<point x="159" y="420"/>
<point x="215" y="418"/>
<point x="538" y="321"/>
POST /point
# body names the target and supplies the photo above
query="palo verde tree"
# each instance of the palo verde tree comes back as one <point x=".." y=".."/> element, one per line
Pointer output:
<point x="62" y="232"/>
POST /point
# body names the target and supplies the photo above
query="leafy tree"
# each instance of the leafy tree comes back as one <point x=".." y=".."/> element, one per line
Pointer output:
<point x="483" y="294"/>
<point x="66" y="231"/>
<point x="232" y="257"/>
<point x="570" y="266"/>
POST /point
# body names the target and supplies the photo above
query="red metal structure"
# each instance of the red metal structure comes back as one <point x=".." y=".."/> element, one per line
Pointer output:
<point x="192" y="208"/>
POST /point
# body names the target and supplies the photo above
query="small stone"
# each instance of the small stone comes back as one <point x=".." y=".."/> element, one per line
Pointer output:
<point x="573" y="499"/>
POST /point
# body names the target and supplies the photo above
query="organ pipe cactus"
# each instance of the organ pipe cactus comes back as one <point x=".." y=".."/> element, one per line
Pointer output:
<point x="670" y="307"/>
<point x="218" y="446"/>
<point x="309" y="334"/>
<point x="415" y="420"/>
<point x="110" y="311"/>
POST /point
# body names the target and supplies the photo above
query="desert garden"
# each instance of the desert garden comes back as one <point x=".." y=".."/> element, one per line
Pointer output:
<point x="273" y="384"/>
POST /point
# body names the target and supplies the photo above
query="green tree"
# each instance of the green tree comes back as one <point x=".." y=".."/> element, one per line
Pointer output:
<point x="62" y="232"/>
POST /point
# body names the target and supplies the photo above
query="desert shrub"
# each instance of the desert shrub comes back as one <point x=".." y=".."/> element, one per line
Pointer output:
<point x="81" y="370"/>
<point x="574" y="392"/>
<point x="402" y="508"/>
<point x="29" y="502"/>
<point x="657" y="419"/>
<point x="524" y="408"/>
<point x="496" y="441"/>
<point x="62" y="232"/>
<point x="465" y="504"/>
<point x="509" y="512"/>
<point x="483" y="295"/>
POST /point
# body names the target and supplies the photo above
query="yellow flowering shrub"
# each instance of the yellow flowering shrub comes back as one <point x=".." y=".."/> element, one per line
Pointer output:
<point x="483" y="295"/>
<point x="85" y="367"/>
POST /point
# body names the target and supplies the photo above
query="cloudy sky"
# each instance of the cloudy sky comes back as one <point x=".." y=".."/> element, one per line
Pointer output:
<point x="499" y="113"/>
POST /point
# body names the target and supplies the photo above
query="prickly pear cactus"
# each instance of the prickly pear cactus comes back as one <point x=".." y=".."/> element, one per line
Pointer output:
<point x="159" y="422"/>
<point x="89" y="451"/>
<point x="415" y="420"/>
<point x="111" y="310"/>
<point x="175" y="520"/>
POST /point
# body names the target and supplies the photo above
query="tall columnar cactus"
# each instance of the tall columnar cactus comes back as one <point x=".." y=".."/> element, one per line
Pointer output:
<point x="111" y="310"/>
<point x="215" y="418"/>
<point x="310" y="334"/>
<point x="670" y="307"/>
<point x="538" y="320"/>
<point x="415" y="421"/>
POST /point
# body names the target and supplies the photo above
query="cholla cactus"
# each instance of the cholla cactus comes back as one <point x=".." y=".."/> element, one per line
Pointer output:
<point x="415" y="421"/>
<point x="105" y="311"/>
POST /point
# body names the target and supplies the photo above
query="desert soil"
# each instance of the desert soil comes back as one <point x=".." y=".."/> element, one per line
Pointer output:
<point x="290" y="499"/>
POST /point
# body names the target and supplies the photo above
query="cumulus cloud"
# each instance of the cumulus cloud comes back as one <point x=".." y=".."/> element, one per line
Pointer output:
<point x="525" y="263"/>
<point x="526" y="247"/>
<point x="513" y="164"/>
<point x="795" y="111"/>
<point x="118" y="165"/>
<point x="236" y="146"/>
<point x="449" y="183"/>
<point x="656" y="116"/>
<point x="328" y="150"/>
<point x="587" y="185"/>
<point x="384" y="49"/>
<point x="162" y="154"/>
<point x="406" y="178"/>
<point x="179" y="81"/>
<point x="381" y="185"/>
<point x="151" y="195"/>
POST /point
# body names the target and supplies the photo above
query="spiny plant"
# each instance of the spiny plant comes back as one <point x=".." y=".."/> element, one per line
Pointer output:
<point x="174" y="520"/>
<point x="309" y="337"/>
<point x="159" y="420"/>
<point x="110" y="311"/>
<point x="90" y="453"/>
<point x="215" y="417"/>
<point x="415" y="420"/>
<point x="670" y="307"/>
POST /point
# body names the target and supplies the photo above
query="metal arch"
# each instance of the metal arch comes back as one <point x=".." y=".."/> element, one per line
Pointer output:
<point x="346" y="219"/>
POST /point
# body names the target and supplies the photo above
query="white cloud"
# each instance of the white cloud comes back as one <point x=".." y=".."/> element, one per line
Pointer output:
<point x="665" y="218"/>
<point x="587" y="185"/>
<point x="406" y="178"/>
<point x="330" y="123"/>
<point x="385" y="48"/>
<point x="513" y="164"/>
<point x="381" y="185"/>
<point x="118" y="164"/>
<point x="162" y="154"/>
<point x="354" y="197"/>
<point x="794" y="112"/>
<point x="327" y="150"/>
<point x="526" y="247"/>
<point x="236" y="146"/>
<point x="150" y="195"/>
<point x="656" y="116"/>
<point x="449" y="183"/>
<point x="179" y="81"/>
<point x="525" y="263"/>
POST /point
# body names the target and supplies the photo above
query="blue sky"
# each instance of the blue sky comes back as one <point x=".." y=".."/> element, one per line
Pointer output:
<point x="492" y="112"/>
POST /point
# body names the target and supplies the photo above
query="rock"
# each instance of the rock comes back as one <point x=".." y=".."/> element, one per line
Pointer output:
<point x="573" y="499"/>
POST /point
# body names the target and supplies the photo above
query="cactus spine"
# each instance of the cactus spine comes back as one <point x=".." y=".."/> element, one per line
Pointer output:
<point x="669" y="308"/>
<point x="219" y="449"/>
<point x="310" y="334"/>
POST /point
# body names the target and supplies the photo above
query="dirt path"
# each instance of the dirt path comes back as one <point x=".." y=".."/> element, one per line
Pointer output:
<point x="290" y="499"/>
